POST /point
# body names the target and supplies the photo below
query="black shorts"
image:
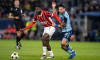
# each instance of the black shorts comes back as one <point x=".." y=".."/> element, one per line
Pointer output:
<point x="19" y="24"/>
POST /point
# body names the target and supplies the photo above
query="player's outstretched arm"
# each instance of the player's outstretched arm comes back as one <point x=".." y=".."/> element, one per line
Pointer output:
<point x="54" y="8"/>
<point x="62" y="25"/>
<point x="29" y="26"/>
<point x="57" y="18"/>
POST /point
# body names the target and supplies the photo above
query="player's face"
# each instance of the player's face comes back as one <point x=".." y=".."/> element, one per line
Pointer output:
<point x="16" y="3"/>
<point x="61" y="10"/>
<point x="38" y="10"/>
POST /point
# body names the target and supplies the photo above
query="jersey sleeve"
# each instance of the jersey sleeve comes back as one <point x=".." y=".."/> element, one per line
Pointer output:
<point x="32" y="23"/>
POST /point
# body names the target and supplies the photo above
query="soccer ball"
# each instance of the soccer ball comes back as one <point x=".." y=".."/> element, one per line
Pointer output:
<point x="14" y="55"/>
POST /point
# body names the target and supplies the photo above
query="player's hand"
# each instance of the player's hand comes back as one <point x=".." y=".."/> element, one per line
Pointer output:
<point x="63" y="25"/>
<point x="53" y="4"/>
<point x="53" y="24"/>
<point x="16" y="17"/>
<point x="22" y="30"/>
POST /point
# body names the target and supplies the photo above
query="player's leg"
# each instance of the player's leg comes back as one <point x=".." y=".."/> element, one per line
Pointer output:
<point x="21" y="36"/>
<point x="48" y="32"/>
<point x="66" y="46"/>
<point x="18" y="39"/>
<point x="18" y="34"/>
<point x="49" y="50"/>
<point x="44" y="42"/>
<point x="22" y="25"/>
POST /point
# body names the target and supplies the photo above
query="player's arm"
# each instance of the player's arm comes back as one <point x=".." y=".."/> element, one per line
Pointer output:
<point x="10" y="16"/>
<point x="29" y="26"/>
<point x="55" y="25"/>
<point x="49" y="14"/>
<point x="57" y="18"/>
<point x="62" y="25"/>
<point x="54" y="8"/>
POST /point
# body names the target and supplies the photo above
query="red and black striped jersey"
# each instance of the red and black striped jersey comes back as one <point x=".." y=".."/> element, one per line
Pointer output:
<point x="44" y="18"/>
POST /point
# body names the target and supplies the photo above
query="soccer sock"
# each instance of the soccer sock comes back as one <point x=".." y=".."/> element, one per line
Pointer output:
<point x="17" y="39"/>
<point x="70" y="48"/>
<point x="51" y="53"/>
<point x="67" y="49"/>
<point x="22" y="35"/>
<point x="44" y="50"/>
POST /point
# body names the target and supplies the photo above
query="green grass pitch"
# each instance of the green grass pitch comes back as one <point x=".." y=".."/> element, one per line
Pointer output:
<point x="32" y="50"/>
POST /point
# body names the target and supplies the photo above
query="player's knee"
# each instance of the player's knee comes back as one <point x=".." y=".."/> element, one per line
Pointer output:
<point x="43" y="39"/>
<point x="18" y="34"/>
<point x="62" y="45"/>
<point x="25" y="32"/>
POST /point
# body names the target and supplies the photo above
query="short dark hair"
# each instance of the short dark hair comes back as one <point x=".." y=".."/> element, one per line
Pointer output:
<point x="62" y="6"/>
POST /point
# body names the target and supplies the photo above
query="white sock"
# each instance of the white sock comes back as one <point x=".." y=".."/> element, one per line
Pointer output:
<point x="51" y="53"/>
<point x="44" y="50"/>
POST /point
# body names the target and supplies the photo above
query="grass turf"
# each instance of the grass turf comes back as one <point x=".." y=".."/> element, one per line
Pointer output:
<point x="32" y="50"/>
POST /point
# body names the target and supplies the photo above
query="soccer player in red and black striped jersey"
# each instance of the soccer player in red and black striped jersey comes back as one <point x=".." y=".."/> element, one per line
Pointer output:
<point x="45" y="18"/>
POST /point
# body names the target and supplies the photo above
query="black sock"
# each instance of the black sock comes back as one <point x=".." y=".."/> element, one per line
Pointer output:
<point x="17" y="39"/>
<point x="22" y="35"/>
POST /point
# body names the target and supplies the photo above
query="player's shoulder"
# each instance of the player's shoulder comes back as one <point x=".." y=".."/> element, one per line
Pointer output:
<point x="11" y="10"/>
<point x="66" y="13"/>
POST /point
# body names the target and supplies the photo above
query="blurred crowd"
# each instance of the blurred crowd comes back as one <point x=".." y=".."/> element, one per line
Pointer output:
<point x="73" y="7"/>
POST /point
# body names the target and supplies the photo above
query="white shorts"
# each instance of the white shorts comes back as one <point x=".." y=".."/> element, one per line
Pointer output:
<point x="49" y="30"/>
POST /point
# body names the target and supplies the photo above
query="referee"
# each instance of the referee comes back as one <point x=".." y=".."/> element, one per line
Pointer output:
<point x="16" y="13"/>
